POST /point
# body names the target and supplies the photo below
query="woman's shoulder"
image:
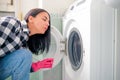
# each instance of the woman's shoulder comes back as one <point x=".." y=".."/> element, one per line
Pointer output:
<point x="10" y="22"/>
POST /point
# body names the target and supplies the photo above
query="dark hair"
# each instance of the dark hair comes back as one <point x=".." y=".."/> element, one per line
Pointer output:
<point x="38" y="43"/>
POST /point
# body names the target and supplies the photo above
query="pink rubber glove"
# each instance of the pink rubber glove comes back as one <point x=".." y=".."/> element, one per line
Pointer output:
<point x="46" y="63"/>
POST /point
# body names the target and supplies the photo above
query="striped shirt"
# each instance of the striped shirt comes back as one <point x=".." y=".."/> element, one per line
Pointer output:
<point x="13" y="35"/>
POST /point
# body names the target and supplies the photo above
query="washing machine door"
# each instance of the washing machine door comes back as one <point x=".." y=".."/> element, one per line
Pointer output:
<point x="73" y="61"/>
<point x="57" y="47"/>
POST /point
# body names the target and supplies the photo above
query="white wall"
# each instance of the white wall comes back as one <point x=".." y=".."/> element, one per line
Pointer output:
<point x="23" y="6"/>
<point x="56" y="6"/>
<point x="52" y="6"/>
<point x="102" y="41"/>
<point x="117" y="47"/>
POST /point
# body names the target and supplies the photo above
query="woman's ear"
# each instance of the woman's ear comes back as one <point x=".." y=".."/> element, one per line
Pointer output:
<point x="30" y="19"/>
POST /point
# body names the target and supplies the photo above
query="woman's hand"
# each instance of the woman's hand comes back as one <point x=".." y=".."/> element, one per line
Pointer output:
<point x="46" y="63"/>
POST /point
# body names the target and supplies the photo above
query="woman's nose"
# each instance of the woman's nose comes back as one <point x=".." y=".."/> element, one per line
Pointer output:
<point x="47" y="23"/>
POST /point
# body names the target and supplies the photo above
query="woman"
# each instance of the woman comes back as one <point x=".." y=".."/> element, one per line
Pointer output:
<point x="18" y="40"/>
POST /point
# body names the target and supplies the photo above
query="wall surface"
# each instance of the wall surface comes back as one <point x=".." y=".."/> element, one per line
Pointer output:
<point x="117" y="48"/>
<point x="56" y="6"/>
<point x="104" y="42"/>
<point x="52" y="6"/>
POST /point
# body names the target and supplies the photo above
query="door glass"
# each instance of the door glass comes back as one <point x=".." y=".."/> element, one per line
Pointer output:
<point x="75" y="49"/>
<point x="54" y="50"/>
<point x="51" y="51"/>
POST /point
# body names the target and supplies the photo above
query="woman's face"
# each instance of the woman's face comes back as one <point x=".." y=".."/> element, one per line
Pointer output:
<point x="39" y="24"/>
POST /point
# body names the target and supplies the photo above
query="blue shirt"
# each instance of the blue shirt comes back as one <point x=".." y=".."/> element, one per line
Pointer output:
<point x="13" y="35"/>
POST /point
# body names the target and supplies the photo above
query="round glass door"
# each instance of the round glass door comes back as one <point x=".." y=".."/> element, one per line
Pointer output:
<point x="75" y="49"/>
<point x="55" y="50"/>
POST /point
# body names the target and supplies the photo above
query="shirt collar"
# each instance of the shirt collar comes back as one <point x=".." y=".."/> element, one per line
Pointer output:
<point x="25" y="27"/>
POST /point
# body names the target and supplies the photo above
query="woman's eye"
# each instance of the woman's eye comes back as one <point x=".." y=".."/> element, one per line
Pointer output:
<point x="44" y="19"/>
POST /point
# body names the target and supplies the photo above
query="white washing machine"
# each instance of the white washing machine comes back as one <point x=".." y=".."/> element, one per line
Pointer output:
<point x="76" y="30"/>
<point x="73" y="46"/>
